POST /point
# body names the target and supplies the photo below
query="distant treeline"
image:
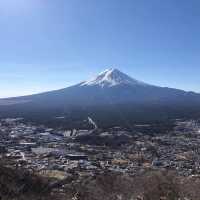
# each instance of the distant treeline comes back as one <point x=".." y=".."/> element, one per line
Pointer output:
<point x="105" y="116"/>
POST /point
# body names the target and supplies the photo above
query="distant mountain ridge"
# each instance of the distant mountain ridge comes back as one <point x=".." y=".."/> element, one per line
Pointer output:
<point x="110" y="95"/>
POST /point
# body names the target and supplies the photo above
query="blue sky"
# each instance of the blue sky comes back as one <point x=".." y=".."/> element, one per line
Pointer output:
<point x="48" y="44"/>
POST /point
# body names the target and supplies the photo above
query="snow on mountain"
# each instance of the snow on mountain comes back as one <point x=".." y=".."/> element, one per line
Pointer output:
<point x="112" y="77"/>
<point x="112" y="98"/>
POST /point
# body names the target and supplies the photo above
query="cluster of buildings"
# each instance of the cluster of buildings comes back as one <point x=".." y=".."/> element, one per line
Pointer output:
<point x="56" y="153"/>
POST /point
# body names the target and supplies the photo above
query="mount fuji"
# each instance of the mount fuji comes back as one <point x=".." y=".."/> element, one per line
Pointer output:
<point x="112" y="77"/>
<point x="111" y="96"/>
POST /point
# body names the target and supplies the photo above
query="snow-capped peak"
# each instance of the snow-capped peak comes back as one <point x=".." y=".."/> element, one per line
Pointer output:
<point x="112" y="77"/>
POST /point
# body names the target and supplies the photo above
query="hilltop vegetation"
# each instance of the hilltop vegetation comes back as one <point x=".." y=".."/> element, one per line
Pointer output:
<point x="153" y="185"/>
